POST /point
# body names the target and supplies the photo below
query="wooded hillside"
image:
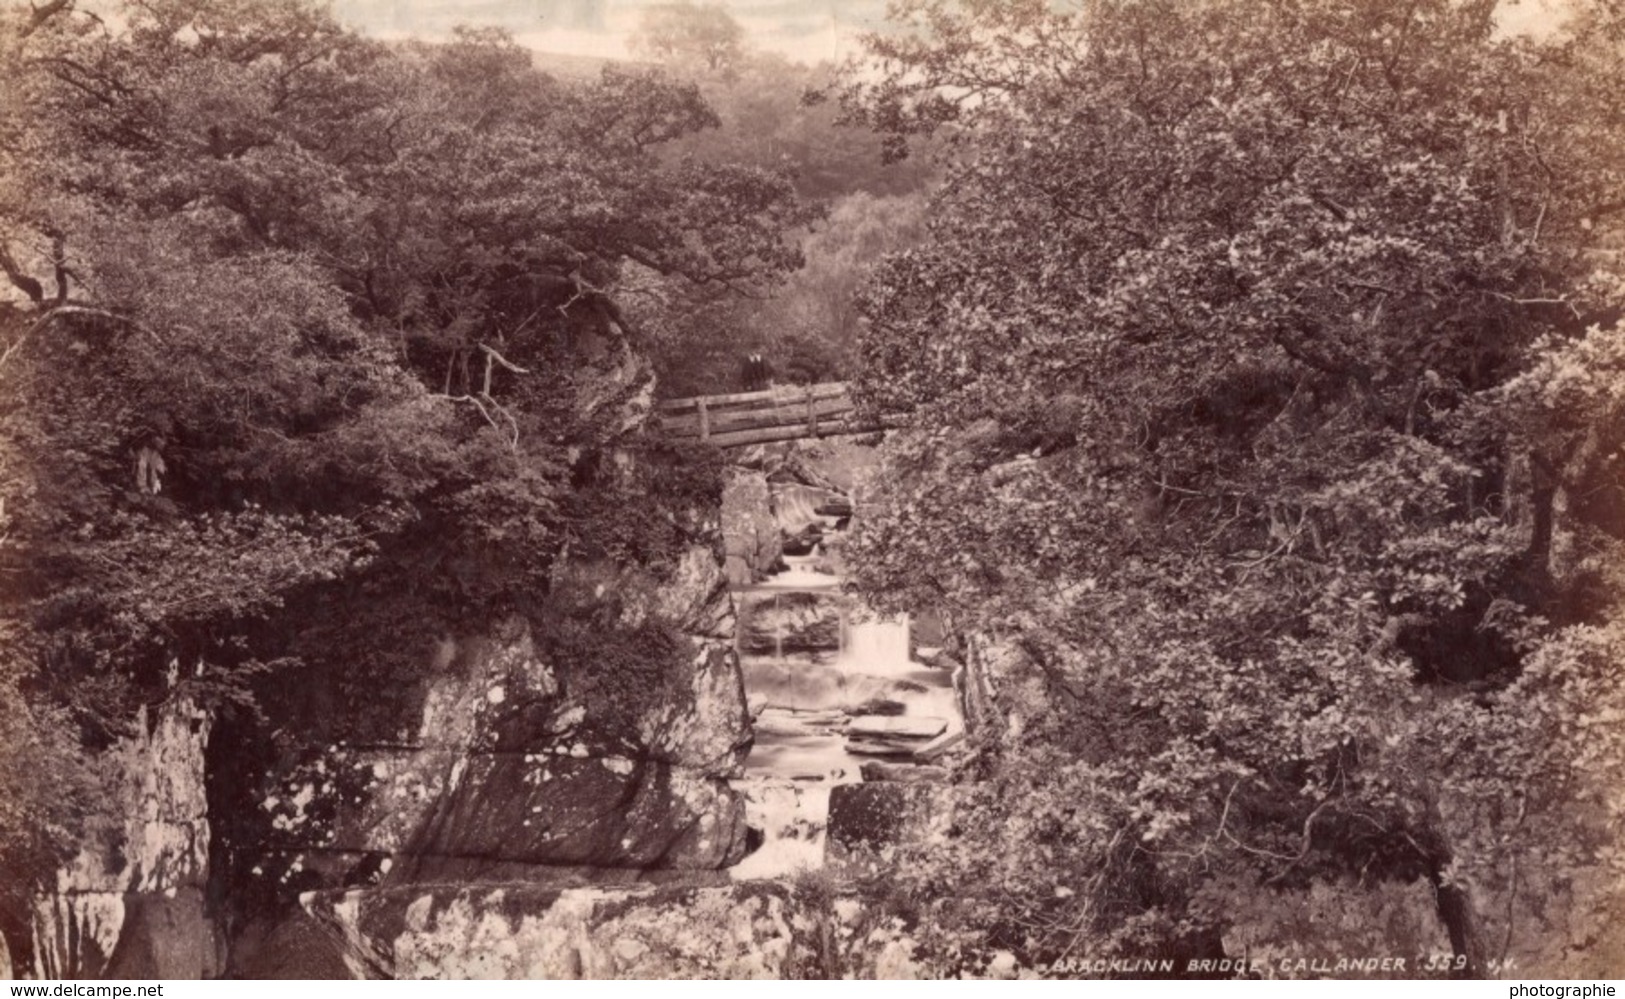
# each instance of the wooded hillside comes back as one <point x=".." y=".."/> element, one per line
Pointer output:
<point x="1268" y="380"/>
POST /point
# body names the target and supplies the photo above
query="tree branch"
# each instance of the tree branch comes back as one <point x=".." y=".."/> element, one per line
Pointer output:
<point x="39" y="15"/>
<point x="29" y="286"/>
<point x="492" y="355"/>
<point x="71" y="310"/>
<point x="59" y="265"/>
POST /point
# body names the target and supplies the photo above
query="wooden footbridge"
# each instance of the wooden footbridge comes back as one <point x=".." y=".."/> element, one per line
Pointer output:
<point x="784" y="413"/>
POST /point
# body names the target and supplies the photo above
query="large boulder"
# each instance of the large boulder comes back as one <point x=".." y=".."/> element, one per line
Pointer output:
<point x="134" y="887"/>
<point x="802" y="542"/>
<point x="695" y="717"/>
<point x="738" y="931"/>
<point x="167" y="936"/>
<point x="836" y="465"/>
<point x="752" y="930"/>
<point x="869" y="822"/>
<point x="749" y="531"/>
<point x="801" y="509"/>
<point x="609" y="747"/>
<point x="296" y="946"/>
<point x="788" y="622"/>
<point x="614" y="387"/>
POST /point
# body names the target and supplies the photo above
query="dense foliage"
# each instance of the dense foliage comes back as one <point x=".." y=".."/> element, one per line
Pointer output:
<point x="769" y="117"/>
<point x="1268" y="388"/>
<point x="807" y="328"/>
<point x="305" y="332"/>
<point x="703" y="35"/>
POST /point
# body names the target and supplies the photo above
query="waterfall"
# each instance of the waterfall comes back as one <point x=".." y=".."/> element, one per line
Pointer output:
<point x="778" y="633"/>
<point x="820" y="717"/>
<point x="876" y="647"/>
<point x="833" y="688"/>
<point x="792" y="817"/>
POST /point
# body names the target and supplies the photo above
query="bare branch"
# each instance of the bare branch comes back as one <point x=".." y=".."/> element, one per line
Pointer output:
<point x="59" y="265"/>
<point x="492" y="355"/>
<point x="29" y="286"/>
<point x="1539" y="301"/>
<point x="1293" y="860"/>
<point x="71" y="310"/>
<point x="39" y="15"/>
<point x="477" y="405"/>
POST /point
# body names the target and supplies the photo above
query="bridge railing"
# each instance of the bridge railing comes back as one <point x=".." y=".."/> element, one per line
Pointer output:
<point x="788" y="412"/>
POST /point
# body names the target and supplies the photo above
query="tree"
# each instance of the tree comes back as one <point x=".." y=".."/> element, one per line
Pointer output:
<point x="773" y="115"/>
<point x="1228" y="334"/>
<point x="807" y="327"/>
<point x="821" y="300"/>
<point x="364" y="306"/>
<point x="690" y="34"/>
<point x="813" y="319"/>
<point x="770" y="117"/>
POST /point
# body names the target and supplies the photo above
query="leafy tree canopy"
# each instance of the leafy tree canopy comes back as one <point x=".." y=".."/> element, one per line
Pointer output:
<point x="292" y="312"/>
<point x="1265" y="369"/>
<point x="701" y="36"/>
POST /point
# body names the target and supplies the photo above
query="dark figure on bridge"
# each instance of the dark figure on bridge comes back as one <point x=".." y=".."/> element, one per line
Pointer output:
<point x="754" y="374"/>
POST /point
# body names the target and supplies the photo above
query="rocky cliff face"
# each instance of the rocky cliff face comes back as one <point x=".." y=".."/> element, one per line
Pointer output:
<point x="542" y="825"/>
<point x="546" y="795"/>
<point x="585" y="738"/>
<point x="520" y="757"/>
<point x="130" y="904"/>
<point x="756" y="930"/>
<point x="774" y="623"/>
<point x="749" y="529"/>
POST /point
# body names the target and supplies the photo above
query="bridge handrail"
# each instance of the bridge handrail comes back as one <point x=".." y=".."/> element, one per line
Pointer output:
<point x="786" y="412"/>
<point x="777" y="395"/>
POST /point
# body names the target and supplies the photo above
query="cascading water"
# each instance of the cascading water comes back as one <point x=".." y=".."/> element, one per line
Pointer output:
<point x="881" y="644"/>
<point x="831" y="687"/>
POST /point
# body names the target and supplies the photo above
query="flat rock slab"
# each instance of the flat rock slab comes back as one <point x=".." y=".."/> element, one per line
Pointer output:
<point x="897" y="726"/>
<point x="904" y="772"/>
<point x="875" y="747"/>
<point x="775" y="721"/>
<point x="936" y="747"/>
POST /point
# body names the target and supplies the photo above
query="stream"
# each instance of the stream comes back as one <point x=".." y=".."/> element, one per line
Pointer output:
<point x="831" y="687"/>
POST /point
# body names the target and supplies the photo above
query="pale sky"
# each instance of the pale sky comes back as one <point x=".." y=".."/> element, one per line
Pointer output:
<point x="805" y="30"/>
<point x="1535" y="17"/>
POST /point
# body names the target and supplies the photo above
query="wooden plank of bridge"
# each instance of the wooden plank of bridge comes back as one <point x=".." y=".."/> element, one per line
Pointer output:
<point x="778" y="414"/>
<point x="773" y="396"/>
<point x="798" y="431"/>
<point x="751" y="419"/>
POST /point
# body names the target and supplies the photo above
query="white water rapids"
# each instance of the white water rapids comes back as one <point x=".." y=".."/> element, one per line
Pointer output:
<point x="821" y="713"/>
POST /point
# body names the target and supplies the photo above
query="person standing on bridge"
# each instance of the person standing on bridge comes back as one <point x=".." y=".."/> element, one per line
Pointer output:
<point x="754" y="373"/>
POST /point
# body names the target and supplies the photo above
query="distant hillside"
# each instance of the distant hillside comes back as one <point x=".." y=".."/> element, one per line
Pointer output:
<point x="573" y="64"/>
<point x="427" y="18"/>
<point x="804" y="30"/>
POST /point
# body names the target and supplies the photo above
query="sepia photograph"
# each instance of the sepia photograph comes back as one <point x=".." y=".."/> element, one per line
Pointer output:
<point x="812" y="489"/>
